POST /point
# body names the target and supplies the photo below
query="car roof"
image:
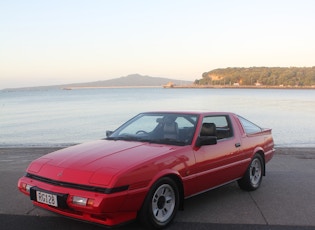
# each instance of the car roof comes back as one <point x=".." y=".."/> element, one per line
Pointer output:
<point x="192" y="112"/>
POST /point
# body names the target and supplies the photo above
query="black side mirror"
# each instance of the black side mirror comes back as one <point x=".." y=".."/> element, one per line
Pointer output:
<point x="108" y="133"/>
<point x="206" y="140"/>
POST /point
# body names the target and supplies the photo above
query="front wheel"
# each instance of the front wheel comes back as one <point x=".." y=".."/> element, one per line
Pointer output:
<point x="253" y="176"/>
<point x="161" y="204"/>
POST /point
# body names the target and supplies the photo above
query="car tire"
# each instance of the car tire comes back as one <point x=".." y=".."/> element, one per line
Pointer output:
<point x="253" y="175"/>
<point x="160" y="205"/>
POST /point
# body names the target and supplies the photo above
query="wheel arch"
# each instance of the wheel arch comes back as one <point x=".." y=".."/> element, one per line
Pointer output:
<point x="180" y="187"/>
<point x="262" y="154"/>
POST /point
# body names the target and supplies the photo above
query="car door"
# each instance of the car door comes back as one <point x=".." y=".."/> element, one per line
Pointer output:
<point x="220" y="163"/>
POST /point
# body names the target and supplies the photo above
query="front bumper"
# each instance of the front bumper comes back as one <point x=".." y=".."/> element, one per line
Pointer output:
<point x="106" y="209"/>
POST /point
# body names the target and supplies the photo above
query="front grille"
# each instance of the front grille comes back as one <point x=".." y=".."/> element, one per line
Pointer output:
<point x="77" y="186"/>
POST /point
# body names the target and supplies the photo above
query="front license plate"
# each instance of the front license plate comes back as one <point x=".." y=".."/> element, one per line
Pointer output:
<point x="46" y="198"/>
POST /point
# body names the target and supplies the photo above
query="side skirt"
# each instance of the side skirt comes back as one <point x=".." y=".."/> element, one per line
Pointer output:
<point x="212" y="188"/>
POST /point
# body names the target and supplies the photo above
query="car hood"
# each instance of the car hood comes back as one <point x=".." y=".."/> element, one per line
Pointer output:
<point x="95" y="162"/>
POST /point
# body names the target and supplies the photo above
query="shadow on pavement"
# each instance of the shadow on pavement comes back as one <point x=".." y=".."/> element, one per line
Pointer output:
<point x="22" y="222"/>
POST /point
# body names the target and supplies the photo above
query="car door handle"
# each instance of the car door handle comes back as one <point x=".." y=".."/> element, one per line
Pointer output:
<point x="237" y="145"/>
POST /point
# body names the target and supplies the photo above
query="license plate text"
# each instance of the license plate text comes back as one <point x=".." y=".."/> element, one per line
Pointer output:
<point x="46" y="198"/>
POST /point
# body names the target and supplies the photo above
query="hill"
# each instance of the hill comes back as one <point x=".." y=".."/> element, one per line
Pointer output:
<point x="133" y="80"/>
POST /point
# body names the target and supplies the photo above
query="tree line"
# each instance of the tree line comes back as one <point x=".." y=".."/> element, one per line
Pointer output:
<point x="260" y="76"/>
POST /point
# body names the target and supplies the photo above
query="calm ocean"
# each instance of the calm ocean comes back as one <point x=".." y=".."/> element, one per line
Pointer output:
<point x="63" y="117"/>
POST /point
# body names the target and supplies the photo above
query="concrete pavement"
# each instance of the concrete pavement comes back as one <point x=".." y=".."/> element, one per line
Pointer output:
<point x="285" y="200"/>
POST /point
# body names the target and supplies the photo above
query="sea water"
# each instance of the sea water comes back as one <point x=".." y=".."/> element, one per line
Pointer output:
<point x="63" y="117"/>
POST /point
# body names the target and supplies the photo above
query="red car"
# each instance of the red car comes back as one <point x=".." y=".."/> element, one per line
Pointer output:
<point x="148" y="166"/>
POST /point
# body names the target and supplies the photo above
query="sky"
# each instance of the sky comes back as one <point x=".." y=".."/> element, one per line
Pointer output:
<point x="70" y="41"/>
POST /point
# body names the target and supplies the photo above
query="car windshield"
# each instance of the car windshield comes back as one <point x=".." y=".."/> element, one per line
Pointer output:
<point x="163" y="128"/>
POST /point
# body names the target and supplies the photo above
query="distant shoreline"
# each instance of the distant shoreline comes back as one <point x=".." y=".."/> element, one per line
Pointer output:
<point x="161" y="86"/>
<point x="107" y="87"/>
<point x="239" y="87"/>
<point x="191" y="87"/>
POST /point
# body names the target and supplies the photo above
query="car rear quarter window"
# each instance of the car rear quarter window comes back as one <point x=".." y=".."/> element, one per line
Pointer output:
<point x="248" y="126"/>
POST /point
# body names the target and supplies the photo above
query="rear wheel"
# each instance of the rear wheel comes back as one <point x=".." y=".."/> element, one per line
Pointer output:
<point x="160" y="205"/>
<point x="253" y="176"/>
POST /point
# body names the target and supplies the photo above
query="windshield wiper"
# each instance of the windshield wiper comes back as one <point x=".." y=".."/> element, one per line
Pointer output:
<point x="167" y="141"/>
<point x="124" y="138"/>
<point x="156" y="141"/>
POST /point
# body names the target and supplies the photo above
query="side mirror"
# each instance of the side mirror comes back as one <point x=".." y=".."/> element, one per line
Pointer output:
<point x="108" y="133"/>
<point x="206" y="140"/>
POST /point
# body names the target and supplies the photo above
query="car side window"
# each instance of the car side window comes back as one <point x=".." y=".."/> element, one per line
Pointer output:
<point x="223" y="125"/>
<point x="248" y="126"/>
